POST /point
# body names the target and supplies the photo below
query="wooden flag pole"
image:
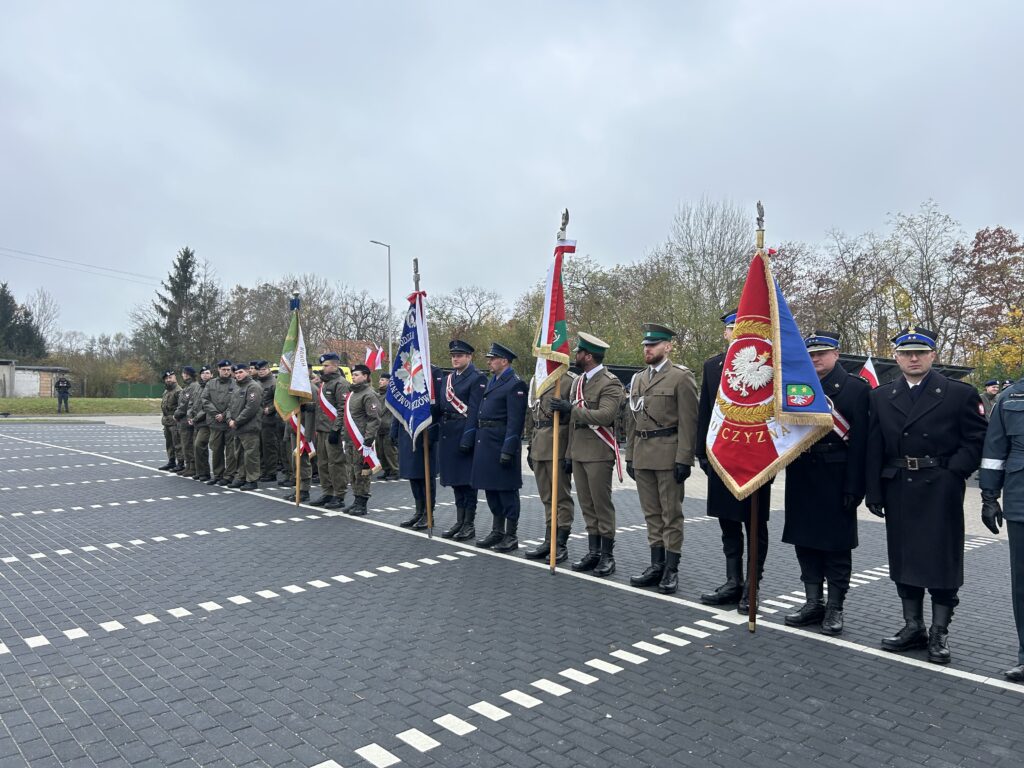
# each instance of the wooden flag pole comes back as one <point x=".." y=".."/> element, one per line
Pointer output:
<point x="426" y="482"/>
<point x="298" y="456"/>
<point x="753" y="571"/>
<point x="555" y="469"/>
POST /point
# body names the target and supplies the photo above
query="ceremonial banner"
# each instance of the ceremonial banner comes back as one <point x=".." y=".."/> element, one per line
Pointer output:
<point x="293" y="385"/>
<point x="411" y="387"/>
<point x="770" y="405"/>
<point x="868" y="373"/>
<point x="551" y="347"/>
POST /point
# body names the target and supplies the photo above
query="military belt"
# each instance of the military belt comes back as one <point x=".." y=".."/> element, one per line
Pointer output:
<point x="913" y="463"/>
<point x="453" y="417"/>
<point x="646" y="433"/>
<point x="484" y="423"/>
<point x="827" y="448"/>
<point x="543" y="424"/>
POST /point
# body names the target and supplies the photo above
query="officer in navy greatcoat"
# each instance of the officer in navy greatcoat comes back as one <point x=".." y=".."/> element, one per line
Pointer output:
<point x="824" y="487"/>
<point x="497" y="461"/>
<point x="733" y="515"/>
<point x="1002" y="471"/>
<point x="924" y="441"/>
<point x="410" y="464"/>
<point x="458" y="399"/>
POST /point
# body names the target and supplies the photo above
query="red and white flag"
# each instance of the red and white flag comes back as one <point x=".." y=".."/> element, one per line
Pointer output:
<point x="375" y="358"/>
<point x="868" y="373"/>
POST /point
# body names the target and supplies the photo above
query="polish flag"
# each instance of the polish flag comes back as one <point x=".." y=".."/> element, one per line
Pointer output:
<point x="868" y="373"/>
<point x="375" y="358"/>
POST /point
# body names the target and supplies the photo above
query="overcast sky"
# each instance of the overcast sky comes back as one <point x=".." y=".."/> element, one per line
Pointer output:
<point x="275" y="137"/>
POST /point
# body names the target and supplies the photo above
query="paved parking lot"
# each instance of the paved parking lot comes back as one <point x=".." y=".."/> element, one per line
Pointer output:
<point x="149" y="620"/>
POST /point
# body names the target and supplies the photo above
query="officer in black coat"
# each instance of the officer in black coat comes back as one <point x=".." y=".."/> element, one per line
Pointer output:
<point x="410" y="463"/>
<point x="458" y="400"/>
<point x="824" y="487"/>
<point x="497" y="461"/>
<point x="925" y="439"/>
<point x="733" y="515"/>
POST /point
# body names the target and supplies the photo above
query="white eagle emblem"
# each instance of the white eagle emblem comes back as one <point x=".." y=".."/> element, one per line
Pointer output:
<point x="749" y="369"/>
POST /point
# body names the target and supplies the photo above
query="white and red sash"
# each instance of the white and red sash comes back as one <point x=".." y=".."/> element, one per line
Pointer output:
<point x="304" y="445"/>
<point x="451" y="397"/>
<point x="839" y="423"/>
<point x="326" y="406"/>
<point x="604" y="434"/>
<point x="369" y="455"/>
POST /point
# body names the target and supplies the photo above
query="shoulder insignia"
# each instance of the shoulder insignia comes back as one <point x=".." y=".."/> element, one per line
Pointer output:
<point x="573" y="375"/>
<point x="681" y="367"/>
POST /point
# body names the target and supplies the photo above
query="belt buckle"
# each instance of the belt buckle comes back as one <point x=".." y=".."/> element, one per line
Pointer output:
<point x="643" y="434"/>
<point x="912" y="463"/>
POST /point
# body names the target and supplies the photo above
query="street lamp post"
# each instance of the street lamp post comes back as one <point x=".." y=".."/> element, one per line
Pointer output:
<point x="386" y="245"/>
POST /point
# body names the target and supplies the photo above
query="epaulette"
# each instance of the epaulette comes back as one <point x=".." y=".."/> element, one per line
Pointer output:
<point x="573" y="375"/>
<point x="680" y="367"/>
<point x="611" y="375"/>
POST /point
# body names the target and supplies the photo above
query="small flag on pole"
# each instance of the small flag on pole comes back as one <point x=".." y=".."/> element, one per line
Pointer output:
<point x="411" y="386"/>
<point x="293" y="385"/>
<point x="375" y="358"/>
<point x="868" y="373"/>
<point x="551" y="346"/>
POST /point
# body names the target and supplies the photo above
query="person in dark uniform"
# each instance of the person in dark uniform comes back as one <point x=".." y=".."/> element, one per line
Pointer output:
<point x="63" y="388"/>
<point x="924" y="441"/>
<point x="410" y="462"/>
<point x="458" y="399"/>
<point x="824" y="487"/>
<point x="733" y="515"/>
<point x="497" y="458"/>
<point x="1002" y="460"/>
<point x="989" y="396"/>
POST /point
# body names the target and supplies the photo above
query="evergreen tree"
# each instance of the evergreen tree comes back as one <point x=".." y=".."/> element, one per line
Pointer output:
<point x="20" y="337"/>
<point x="168" y="331"/>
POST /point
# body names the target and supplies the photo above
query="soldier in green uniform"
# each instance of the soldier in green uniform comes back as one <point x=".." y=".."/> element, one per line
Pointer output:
<point x="270" y="427"/>
<point x="186" y="432"/>
<point x="307" y="415"/>
<point x="168" y="405"/>
<point x="594" y="450"/>
<point x="544" y="460"/>
<point x="244" y="418"/>
<point x="387" y="451"/>
<point x="659" y="452"/>
<point x="216" y="400"/>
<point x="362" y="407"/>
<point x="330" y="440"/>
<point x="201" y="430"/>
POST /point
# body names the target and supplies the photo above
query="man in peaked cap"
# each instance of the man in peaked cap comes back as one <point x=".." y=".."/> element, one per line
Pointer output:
<point x="593" y="451"/>
<point x="660" y="452"/>
<point x="925" y="439"/>
<point x="733" y="515"/>
<point x="186" y="431"/>
<point x="824" y="487"/>
<point x="216" y="401"/>
<point x="458" y="402"/>
<point x="497" y="462"/>
<point x="168" y="405"/>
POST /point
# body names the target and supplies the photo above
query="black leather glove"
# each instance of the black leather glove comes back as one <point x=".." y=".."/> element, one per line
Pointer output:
<point x="630" y="471"/>
<point x="334" y="438"/>
<point x="850" y="502"/>
<point x="560" y="405"/>
<point x="505" y="460"/>
<point x="567" y="466"/>
<point x="681" y="472"/>
<point x="705" y="466"/>
<point x="529" y="461"/>
<point x="876" y="509"/>
<point x="991" y="512"/>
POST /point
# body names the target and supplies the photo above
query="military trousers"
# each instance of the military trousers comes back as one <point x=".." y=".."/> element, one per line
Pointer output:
<point x="948" y="597"/>
<point x="305" y="468"/>
<point x="172" y="442"/>
<point x="201" y="451"/>
<point x="465" y="497"/>
<point x="419" y="492"/>
<point x="218" y="453"/>
<point x="285" y="449"/>
<point x="661" y="499"/>
<point x="1015" y="531"/>
<point x="359" y="474"/>
<point x="387" y="452"/>
<point x="594" y="491"/>
<point x="248" y="456"/>
<point x="566" y="509"/>
<point x="232" y="455"/>
<point x="732" y="540"/>
<point x="833" y="566"/>
<point x="186" y="434"/>
<point x="270" y="444"/>
<point x="333" y="465"/>
<point x="504" y="503"/>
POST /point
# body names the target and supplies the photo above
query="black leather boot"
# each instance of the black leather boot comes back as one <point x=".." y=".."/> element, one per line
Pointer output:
<point x="561" y="544"/>
<point x="468" y="529"/>
<point x="730" y="592"/>
<point x="511" y="541"/>
<point x="938" y="635"/>
<point x="416" y="516"/>
<point x="213" y="481"/>
<point x="593" y="556"/>
<point x="540" y="552"/>
<point x="358" y="508"/>
<point x="421" y="524"/>
<point x="670" y="578"/>
<point x="323" y="501"/>
<point x="303" y="497"/>
<point x="497" y="533"/>
<point x="913" y="635"/>
<point x="832" y="624"/>
<point x="606" y="565"/>
<point x="460" y="518"/>
<point x="168" y="466"/>
<point x="743" y="606"/>
<point x="653" y="573"/>
<point x="813" y="609"/>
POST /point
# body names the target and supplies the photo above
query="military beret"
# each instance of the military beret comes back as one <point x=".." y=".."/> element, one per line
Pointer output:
<point x="168" y="373"/>
<point x="588" y="343"/>
<point x="460" y="346"/>
<point x="729" y="318"/>
<point x="224" y="364"/>
<point x="188" y="369"/>
<point x="500" y="350"/>
<point x="361" y="368"/>
<point x="914" y="339"/>
<point x="328" y="356"/>
<point x="254" y="363"/>
<point x="240" y="367"/>
<point x="655" y="333"/>
<point x="992" y="382"/>
<point x="205" y="368"/>
<point x="821" y="341"/>
<point x="262" y="364"/>
<point x="385" y="375"/>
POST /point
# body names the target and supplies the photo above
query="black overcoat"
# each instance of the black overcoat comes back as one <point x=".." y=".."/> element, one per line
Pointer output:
<point x="924" y="508"/>
<point x="504" y="406"/>
<point x="831" y="469"/>
<point x="458" y="431"/>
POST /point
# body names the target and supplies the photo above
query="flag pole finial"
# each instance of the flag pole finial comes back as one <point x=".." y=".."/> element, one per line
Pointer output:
<point x="760" y="226"/>
<point x="294" y="303"/>
<point x="416" y="273"/>
<point x="565" y="224"/>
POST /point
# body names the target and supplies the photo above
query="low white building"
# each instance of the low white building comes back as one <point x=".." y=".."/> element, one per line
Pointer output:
<point x="28" y="380"/>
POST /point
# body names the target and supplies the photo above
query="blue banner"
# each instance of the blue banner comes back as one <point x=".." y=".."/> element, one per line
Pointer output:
<point x="411" y="387"/>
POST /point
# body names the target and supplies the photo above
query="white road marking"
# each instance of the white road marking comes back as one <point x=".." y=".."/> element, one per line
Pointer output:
<point x="146" y="618"/>
<point x="418" y="740"/>
<point x="657" y="650"/>
<point x="489" y="711"/>
<point x="239" y="599"/>
<point x="37" y="641"/>
<point x="377" y="756"/>
<point x="549" y="687"/>
<point x="710" y="625"/>
<point x="179" y="613"/>
<point x="632" y="658"/>
<point x="111" y="626"/>
<point x="672" y="640"/>
<point x="580" y="677"/>
<point x="700" y="635"/>
<point x="522" y="699"/>
<point x="456" y="725"/>
<point x="604" y="666"/>
<point x="75" y="634"/>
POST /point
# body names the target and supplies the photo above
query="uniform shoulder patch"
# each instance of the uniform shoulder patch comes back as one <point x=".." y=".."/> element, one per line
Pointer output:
<point x="681" y="367"/>
<point x="573" y="375"/>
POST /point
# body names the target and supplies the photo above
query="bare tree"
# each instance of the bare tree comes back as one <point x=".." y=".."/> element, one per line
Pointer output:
<point x="46" y="314"/>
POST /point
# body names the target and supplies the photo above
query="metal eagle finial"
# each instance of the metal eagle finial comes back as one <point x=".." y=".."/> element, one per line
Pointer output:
<point x="565" y="224"/>
<point x="760" y="215"/>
